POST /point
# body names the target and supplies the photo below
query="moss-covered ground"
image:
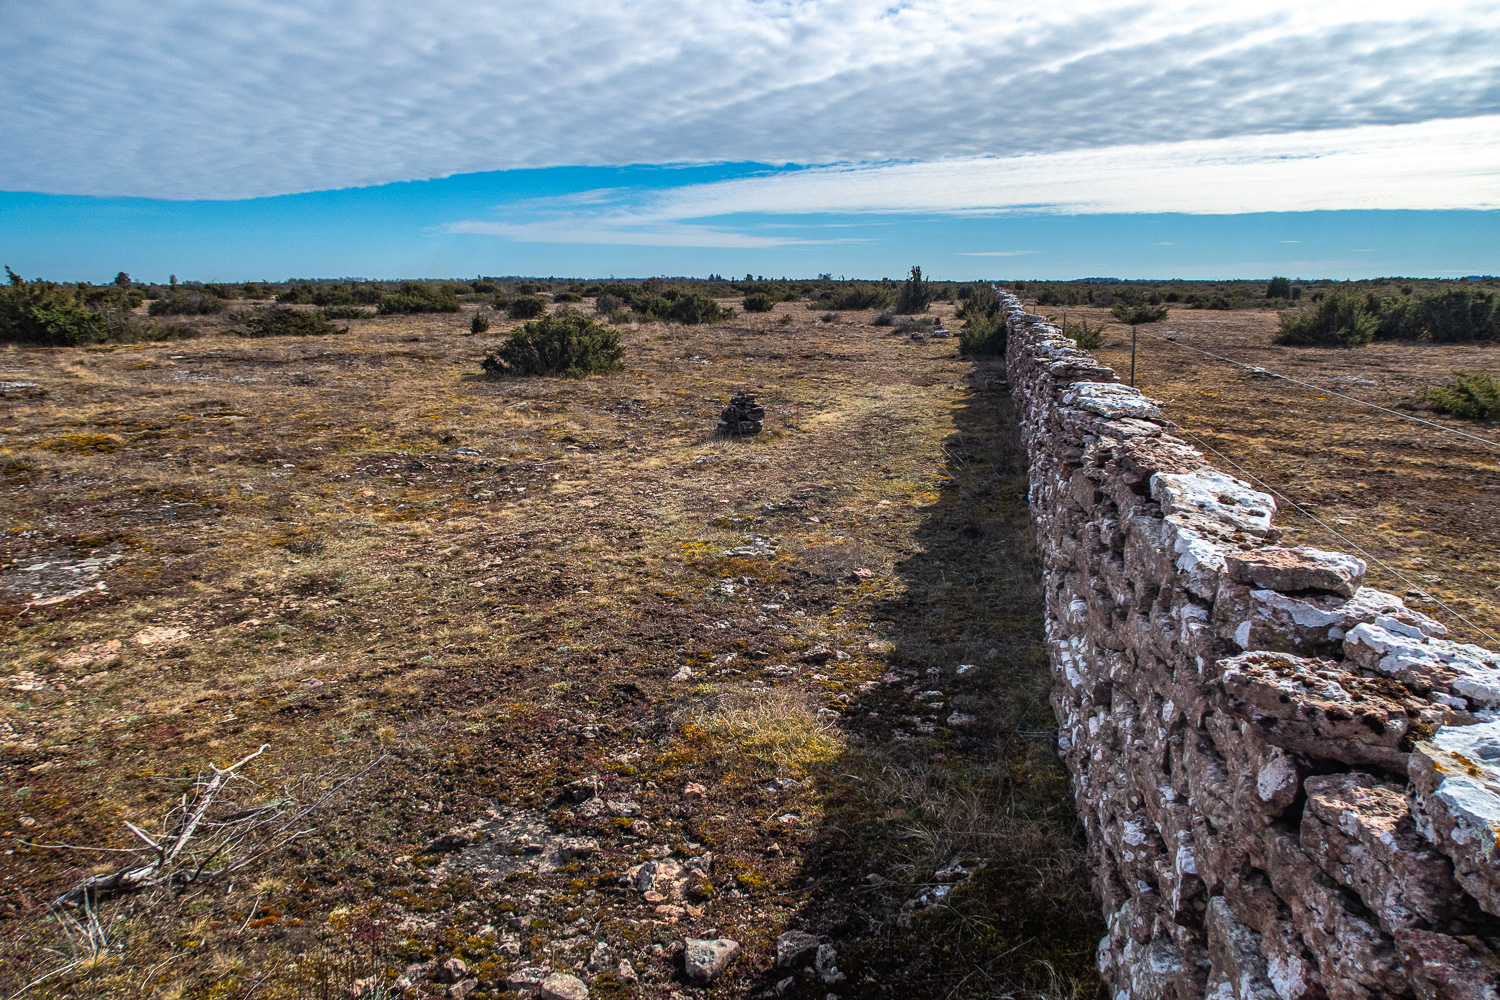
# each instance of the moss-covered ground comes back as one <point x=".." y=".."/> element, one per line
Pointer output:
<point x="805" y="667"/>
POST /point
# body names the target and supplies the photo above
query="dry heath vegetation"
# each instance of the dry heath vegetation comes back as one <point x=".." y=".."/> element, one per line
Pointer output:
<point x="330" y="657"/>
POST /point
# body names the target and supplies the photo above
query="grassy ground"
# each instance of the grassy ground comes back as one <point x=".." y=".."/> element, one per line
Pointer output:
<point x="1424" y="502"/>
<point x="543" y="608"/>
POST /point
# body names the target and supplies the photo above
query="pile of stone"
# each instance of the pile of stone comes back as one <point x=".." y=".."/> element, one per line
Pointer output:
<point x="1289" y="781"/>
<point x="743" y="415"/>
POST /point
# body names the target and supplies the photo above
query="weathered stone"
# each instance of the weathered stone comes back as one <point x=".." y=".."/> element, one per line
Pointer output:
<point x="1449" y="968"/>
<point x="1302" y="568"/>
<point x="1456" y="786"/>
<point x="793" y="948"/>
<point x="1397" y="649"/>
<point x="1201" y="675"/>
<point x="704" y="961"/>
<point x="577" y="847"/>
<point x="1235" y="952"/>
<point x="451" y="970"/>
<point x="561" y="986"/>
<point x="743" y="415"/>
<point x="1361" y="834"/>
<point x="1312" y="707"/>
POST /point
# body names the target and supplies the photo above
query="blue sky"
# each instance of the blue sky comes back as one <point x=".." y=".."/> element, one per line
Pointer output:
<point x="247" y="139"/>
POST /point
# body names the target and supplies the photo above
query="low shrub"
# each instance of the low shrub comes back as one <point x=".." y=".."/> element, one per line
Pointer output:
<point x="758" y="302"/>
<point x="1472" y="396"/>
<point x="284" y="321"/>
<point x="1136" y="313"/>
<point x="859" y="297"/>
<point x="568" y="296"/>
<point x="479" y="324"/>
<point x="416" y="297"/>
<point x="1085" y="338"/>
<point x="344" y="312"/>
<point x="527" y="306"/>
<point x="695" y="307"/>
<point x="984" y="328"/>
<point x="915" y="294"/>
<point x="828" y="317"/>
<point x="308" y="293"/>
<point x="569" y="344"/>
<point x="1279" y="288"/>
<point x="41" y="312"/>
<point x="181" y="303"/>
<point x="606" y="304"/>
<point x="885" y="319"/>
<point x="1342" y="320"/>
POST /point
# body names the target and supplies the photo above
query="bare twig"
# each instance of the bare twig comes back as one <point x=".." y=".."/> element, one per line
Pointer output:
<point x="211" y="832"/>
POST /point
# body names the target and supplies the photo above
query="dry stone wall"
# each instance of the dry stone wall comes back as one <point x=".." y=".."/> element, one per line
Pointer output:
<point x="1290" y="782"/>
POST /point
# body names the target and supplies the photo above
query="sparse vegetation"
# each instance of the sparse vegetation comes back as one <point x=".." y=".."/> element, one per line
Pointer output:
<point x="40" y="312"/>
<point x="983" y="331"/>
<point x="1338" y="321"/>
<point x="915" y="295"/>
<point x="418" y="297"/>
<point x="527" y="306"/>
<point x="1138" y="313"/>
<point x="569" y="344"/>
<point x="182" y="302"/>
<point x="1086" y="338"/>
<point x="479" y="324"/>
<point x="1472" y="396"/>
<point x="344" y="312"/>
<point x="284" y="321"/>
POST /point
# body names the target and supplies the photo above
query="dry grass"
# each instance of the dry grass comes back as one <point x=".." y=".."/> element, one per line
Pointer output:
<point x="299" y="549"/>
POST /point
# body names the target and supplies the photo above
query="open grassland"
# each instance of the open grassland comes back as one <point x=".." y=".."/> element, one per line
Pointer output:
<point x="1424" y="502"/>
<point x="803" y="671"/>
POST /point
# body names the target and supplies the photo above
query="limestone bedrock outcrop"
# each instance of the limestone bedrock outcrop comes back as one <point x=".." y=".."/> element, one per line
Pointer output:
<point x="1289" y="781"/>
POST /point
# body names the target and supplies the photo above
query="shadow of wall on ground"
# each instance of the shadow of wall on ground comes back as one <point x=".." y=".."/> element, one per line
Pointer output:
<point x="949" y="861"/>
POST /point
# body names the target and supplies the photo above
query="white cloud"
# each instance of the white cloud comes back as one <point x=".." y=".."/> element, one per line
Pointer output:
<point x="1436" y="165"/>
<point x="240" y="98"/>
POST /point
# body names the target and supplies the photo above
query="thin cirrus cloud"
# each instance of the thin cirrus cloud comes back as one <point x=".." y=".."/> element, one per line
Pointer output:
<point x="235" y="99"/>
<point x="1436" y="165"/>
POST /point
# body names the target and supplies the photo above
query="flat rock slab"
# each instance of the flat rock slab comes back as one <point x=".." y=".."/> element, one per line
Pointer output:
<point x="561" y="986"/>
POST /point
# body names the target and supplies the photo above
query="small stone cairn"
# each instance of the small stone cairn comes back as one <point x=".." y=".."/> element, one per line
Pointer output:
<point x="743" y="415"/>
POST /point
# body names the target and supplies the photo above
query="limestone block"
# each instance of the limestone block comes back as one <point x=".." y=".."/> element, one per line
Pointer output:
<point x="1234" y="950"/>
<point x="1360" y="832"/>
<point x="1449" y="968"/>
<point x="1297" y="569"/>
<point x="1400" y="650"/>
<point x="1312" y="707"/>
<point x="1111" y="400"/>
<point x="1356" y="961"/>
<point x="1291" y="970"/>
<point x="1455" y="782"/>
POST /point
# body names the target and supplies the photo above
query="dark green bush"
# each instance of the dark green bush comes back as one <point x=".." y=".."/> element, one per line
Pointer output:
<point x="183" y="303"/>
<point x="1086" y="338"/>
<point x="527" y="306"/>
<point x="1136" y="313"/>
<point x="867" y="296"/>
<point x="41" y="312"/>
<point x="758" y="302"/>
<point x="984" y="328"/>
<point x="1459" y="315"/>
<point x="568" y="296"/>
<point x="479" y="324"/>
<point x="695" y="307"/>
<point x="884" y="319"/>
<point x="308" y="293"/>
<point x="567" y="343"/>
<point x="417" y="297"/>
<point x="915" y="295"/>
<point x="1473" y="396"/>
<point x="606" y="304"/>
<point x="484" y="287"/>
<point x="1279" y="288"/>
<point x="284" y="321"/>
<point x="1340" y="320"/>
<point x="344" y="312"/>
